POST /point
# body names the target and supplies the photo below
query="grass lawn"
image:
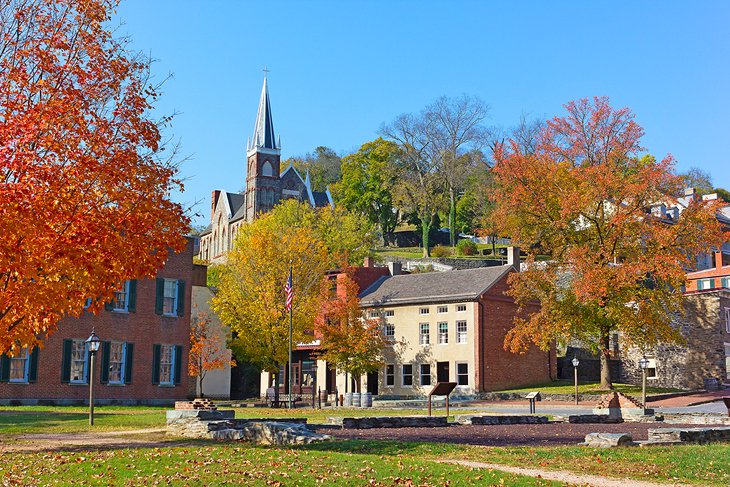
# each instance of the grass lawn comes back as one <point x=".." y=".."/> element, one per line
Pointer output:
<point x="73" y="419"/>
<point x="568" y="387"/>
<point x="239" y="464"/>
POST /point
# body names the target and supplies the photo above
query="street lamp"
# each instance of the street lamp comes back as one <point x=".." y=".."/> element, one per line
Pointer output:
<point x="93" y="343"/>
<point x="314" y="384"/>
<point x="576" y="362"/>
<point x="643" y="363"/>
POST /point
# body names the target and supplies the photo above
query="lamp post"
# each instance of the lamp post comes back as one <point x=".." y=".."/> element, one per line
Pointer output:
<point x="93" y="343"/>
<point x="575" y="363"/>
<point x="643" y="363"/>
<point x="314" y="384"/>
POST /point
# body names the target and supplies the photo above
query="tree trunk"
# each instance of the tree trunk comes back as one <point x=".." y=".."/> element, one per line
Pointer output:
<point x="200" y="385"/>
<point x="452" y="217"/>
<point x="357" y="382"/>
<point x="276" y="387"/>
<point x="604" y="355"/>
<point x="494" y="245"/>
<point x="425" y="230"/>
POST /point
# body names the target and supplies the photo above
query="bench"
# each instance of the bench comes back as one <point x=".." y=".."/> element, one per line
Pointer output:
<point x="283" y="398"/>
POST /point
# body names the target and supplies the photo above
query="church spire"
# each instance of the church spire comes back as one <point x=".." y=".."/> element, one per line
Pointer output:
<point x="263" y="131"/>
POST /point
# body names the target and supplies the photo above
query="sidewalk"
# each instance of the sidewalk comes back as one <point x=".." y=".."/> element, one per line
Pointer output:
<point x="690" y="399"/>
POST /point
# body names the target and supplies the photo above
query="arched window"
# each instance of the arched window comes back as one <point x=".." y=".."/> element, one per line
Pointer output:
<point x="267" y="169"/>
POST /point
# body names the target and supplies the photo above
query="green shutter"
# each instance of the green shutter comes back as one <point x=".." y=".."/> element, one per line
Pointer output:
<point x="132" y="301"/>
<point x="155" y="364"/>
<point x="4" y="368"/>
<point x="178" y="364"/>
<point x="128" y="359"/>
<point x="109" y="305"/>
<point x="33" y="369"/>
<point x="712" y="284"/>
<point x="105" y="352"/>
<point x="159" y="295"/>
<point x="180" y="297"/>
<point x="66" y="361"/>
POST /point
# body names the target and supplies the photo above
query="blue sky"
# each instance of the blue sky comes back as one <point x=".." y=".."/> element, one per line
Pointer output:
<point x="341" y="69"/>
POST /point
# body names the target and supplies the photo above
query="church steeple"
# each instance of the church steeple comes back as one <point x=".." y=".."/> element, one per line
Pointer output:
<point x="263" y="139"/>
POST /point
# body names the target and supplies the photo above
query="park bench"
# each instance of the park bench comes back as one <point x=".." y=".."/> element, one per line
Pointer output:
<point x="283" y="398"/>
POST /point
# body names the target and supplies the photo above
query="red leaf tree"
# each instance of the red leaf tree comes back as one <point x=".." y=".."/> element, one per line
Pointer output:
<point x="84" y="189"/>
<point x="581" y="193"/>
<point x="349" y="341"/>
<point x="207" y="348"/>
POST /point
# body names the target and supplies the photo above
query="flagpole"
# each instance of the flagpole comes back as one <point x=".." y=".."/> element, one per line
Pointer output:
<point x="291" y="315"/>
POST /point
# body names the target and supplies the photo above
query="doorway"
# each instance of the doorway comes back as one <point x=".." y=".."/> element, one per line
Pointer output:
<point x="442" y="372"/>
<point x="373" y="383"/>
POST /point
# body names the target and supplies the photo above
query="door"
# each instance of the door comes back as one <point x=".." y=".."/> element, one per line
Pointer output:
<point x="442" y="372"/>
<point x="373" y="383"/>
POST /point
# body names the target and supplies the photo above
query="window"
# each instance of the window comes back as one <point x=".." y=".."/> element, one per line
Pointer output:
<point x="725" y="282"/>
<point x="461" y="308"/>
<point x="425" y="374"/>
<point x="462" y="374"/>
<point x="170" y="297"/>
<point x="167" y="364"/>
<point x="390" y="375"/>
<point x="117" y="354"/>
<point x="87" y="303"/>
<point x="727" y="322"/>
<point x="121" y="298"/>
<point x="442" y="309"/>
<point x="169" y="301"/>
<point x="333" y="286"/>
<point x="79" y="360"/>
<point x="461" y="332"/>
<point x="19" y="366"/>
<point x="651" y="369"/>
<point x="423" y="311"/>
<point x="443" y="333"/>
<point x="389" y="331"/>
<point x="373" y="314"/>
<point x="407" y="374"/>
<point x="703" y="284"/>
<point x="424" y="330"/>
<point x="389" y="313"/>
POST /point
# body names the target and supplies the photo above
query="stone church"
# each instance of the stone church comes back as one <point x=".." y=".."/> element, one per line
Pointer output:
<point x="266" y="186"/>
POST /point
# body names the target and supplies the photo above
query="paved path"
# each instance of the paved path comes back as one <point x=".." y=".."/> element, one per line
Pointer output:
<point x="563" y="476"/>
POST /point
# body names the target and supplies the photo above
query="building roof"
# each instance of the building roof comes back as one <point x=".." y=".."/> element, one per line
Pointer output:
<point x="263" y="131"/>
<point x="430" y="287"/>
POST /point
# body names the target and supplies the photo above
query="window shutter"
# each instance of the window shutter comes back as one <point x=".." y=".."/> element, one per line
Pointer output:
<point x="159" y="295"/>
<point x="155" y="364"/>
<point x="180" y="297"/>
<point x="712" y="284"/>
<point x="33" y="369"/>
<point x="105" y="351"/>
<point x="4" y="368"/>
<point x="128" y="359"/>
<point x="66" y="361"/>
<point x="132" y="301"/>
<point x="178" y="364"/>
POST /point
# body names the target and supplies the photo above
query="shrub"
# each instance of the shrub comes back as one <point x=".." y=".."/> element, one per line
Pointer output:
<point x="466" y="247"/>
<point x="440" y="251"/>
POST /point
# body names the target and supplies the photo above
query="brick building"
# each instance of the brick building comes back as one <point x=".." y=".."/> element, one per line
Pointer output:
<point x="143" y="355"/>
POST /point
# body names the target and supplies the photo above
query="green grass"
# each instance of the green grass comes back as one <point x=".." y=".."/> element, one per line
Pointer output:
<point x="568" y="387"/>
<point x="71" y="419"/>
<point x="239" y="464"/>
<point x="695" y="464"/>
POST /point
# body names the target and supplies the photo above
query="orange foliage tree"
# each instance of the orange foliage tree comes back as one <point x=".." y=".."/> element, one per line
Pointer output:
<point x="84" y="189"/>
<point x="349" y="341"/>
<point x="582" y="194"/>
<point x="207" y="348"/>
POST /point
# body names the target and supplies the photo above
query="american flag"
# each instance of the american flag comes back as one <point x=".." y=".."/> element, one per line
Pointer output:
<point x="289" y="290"/>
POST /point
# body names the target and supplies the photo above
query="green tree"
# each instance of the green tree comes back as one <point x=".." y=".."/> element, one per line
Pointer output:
<point x="698" y="179"/>
<point x="324" y="166"/>
<point x="367" y="184"/>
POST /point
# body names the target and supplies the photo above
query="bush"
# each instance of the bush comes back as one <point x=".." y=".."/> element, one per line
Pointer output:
<point x="466" y="247"/>
<point x="440" y="251"/>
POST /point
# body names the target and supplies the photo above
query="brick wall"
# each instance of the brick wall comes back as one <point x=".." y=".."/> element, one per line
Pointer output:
<point x="143" y="328"/>
<point x="500" y="369"/>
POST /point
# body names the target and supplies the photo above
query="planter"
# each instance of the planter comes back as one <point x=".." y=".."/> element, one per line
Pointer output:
<point x="366" y="400"/>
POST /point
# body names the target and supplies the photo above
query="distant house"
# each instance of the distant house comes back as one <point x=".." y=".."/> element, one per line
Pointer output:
<point x="450" y="327"/>
<point x="143" y="356"/>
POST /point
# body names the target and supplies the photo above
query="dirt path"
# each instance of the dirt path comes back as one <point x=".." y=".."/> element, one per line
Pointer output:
<point x="563" y="476"/>
<point x="145" y="438"/>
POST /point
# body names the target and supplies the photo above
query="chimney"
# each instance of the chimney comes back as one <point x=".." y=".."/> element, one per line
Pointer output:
<point x="513" y="257"/>
<point x="689" y="191"/>
<point x="214" y="202"/>
<point x="368" y="262"/>
<point x="395" y="268"/>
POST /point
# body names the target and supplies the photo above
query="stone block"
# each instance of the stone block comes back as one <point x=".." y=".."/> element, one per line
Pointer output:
<point x="200" y="414"/>
<point x="608" y="440"/>
<point x="498" y="420"/>
<point x="594" y="418"/>
<point x="689" y="435"/>
<point x="395" y="422"/>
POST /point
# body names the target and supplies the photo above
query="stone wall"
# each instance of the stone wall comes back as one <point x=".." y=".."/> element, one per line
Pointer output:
<point x="496" y="420"/>
<point x="392" y="422"/>
<point x="449" y="261"/>
<point x="702" y="356"/>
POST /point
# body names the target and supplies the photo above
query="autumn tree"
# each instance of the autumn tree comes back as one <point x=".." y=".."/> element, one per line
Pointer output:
<point x="208" y="350"/>
<point x="585" y="196"/>
<point x="367" y="185"/>
<point x="84" y="182"/>
<point x="349" y="341"/>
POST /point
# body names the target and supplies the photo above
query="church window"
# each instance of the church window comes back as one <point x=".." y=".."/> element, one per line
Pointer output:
<point x="267" y="169"/>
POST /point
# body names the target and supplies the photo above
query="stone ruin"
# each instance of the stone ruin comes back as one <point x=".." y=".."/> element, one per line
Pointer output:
<point x="189" y="421"/>
<point x="618" y="405"/>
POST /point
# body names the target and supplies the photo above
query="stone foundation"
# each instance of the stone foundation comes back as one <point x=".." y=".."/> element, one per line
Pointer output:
<point x="693" y="435"/>
<point x="595" y="418"/>
<point x="221" y="425"/>
<point x="494" y="420"/>
<point x="608" y="440"/>
<point x="391" y="422"/>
